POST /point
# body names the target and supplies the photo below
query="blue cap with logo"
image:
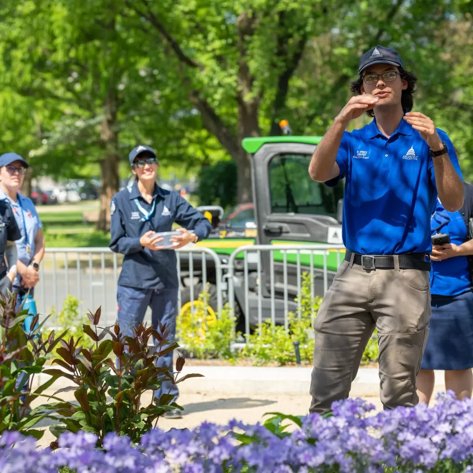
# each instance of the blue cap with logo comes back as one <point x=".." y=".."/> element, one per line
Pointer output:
<point x="8" y="158"/>
<point x="141" y="149"/>
<point x="379" y="55"/>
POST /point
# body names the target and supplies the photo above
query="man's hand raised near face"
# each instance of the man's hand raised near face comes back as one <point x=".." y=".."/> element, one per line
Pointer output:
<point x="355" y="107"/>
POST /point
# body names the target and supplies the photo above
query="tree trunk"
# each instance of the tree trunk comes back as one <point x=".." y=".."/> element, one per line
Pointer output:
<point x="110" y="161"/>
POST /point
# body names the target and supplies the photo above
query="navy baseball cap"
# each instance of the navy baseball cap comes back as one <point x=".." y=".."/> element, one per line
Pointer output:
<point x="379" y="55"/>
<point x="141" y="149"/>
<point x="8" y="158"/>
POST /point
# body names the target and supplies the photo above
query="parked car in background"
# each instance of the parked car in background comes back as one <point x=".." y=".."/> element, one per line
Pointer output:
<point x="240" y="222"/>
<point x="40" y="197"/>
<point x="88" y="190"/>
<point x="66" y="193"/>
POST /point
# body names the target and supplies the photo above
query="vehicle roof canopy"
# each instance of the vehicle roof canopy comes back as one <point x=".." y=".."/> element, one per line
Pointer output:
<point x="252" y="145"/>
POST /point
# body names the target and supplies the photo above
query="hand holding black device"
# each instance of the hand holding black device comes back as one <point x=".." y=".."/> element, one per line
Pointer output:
<point x="440" y="239"/>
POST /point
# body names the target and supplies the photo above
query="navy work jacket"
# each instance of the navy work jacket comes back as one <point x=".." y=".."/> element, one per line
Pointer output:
<point x="132" y="216"/>
<point x="9" y="231"/>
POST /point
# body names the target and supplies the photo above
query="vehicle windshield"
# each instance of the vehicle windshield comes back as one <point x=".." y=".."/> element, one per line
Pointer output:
<point x="293" y="191"/>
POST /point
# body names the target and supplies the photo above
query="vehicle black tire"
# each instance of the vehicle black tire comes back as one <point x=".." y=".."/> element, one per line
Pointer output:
<point x="198" y="288"/>
<point x="240" y="325"/>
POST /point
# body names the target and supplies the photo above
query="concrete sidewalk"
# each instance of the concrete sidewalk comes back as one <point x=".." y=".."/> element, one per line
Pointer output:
<point x="291" y="381"/>
<point x="248" y="393"/>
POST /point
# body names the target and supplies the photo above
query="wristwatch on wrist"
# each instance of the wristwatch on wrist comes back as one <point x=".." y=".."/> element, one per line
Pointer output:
<point x="196" y="238"/>
<point x="35" y="265"/>
<point x="440" y="152"/>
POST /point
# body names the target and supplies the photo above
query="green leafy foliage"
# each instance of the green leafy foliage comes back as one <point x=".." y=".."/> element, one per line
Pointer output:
<point x="217" y="184"/>
<point x="109" y="380"/>
<point x="207" y="335"/>
<point x="202" y="333"/>
<point x="70" y="319"/>
<point x="272" y="343"/>
<point x="22" y="356"/>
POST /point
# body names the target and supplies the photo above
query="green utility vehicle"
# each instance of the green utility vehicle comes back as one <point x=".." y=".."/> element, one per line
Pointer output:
<point x="290" y="209"/>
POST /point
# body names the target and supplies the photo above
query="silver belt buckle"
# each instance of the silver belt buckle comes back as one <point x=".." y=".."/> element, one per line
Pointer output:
<point x="367" y="262"/>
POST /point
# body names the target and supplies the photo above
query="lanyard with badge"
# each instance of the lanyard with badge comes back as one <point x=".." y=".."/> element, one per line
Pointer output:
<point x="25" y="233"/>
<point x="146" y="215"/>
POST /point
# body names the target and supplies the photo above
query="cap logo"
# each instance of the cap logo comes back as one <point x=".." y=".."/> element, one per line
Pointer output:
<point x="375" y="53"/>
<point x="140" y="148"/>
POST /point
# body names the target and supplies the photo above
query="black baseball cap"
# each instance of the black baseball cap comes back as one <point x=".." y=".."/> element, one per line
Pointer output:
<point x="379" y="55"/>
<point x="141" y="149"/>
<point x="8" y="158"/>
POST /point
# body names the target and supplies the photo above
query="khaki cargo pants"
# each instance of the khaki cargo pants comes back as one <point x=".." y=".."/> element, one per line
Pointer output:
<point x="397" y="303"/>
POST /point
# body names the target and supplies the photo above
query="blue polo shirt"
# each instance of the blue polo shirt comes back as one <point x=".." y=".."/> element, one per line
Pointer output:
<point x="390" y="190"/>
<point x="143" y="268"/>
<point x="450" y="277"/>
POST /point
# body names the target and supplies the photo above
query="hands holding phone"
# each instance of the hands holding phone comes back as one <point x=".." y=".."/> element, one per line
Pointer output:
<point x="442" y="249"/>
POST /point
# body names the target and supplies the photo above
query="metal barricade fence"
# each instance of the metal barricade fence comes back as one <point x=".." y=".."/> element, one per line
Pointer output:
<point x="268" y="289"/>
<point x="91" y="275"/>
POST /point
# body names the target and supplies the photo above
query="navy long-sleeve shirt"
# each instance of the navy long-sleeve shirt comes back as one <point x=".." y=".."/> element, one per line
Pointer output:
<point x="132" y="216"/>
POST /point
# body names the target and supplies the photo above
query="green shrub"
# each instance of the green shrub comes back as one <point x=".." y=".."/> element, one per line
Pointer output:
<point x="21" y="357"/>
<point x="273" y="343"/>
<point x="206" y="336"/>
<point x="202" y="333"/>
<point x="69" y="319"/>
<point x="109" y="379"/>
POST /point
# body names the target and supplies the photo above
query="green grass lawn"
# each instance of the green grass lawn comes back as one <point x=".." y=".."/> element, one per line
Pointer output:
<point x="66" y="226"/>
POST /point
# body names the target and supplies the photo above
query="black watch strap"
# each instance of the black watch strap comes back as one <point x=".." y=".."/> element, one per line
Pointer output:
<point x="440" y="152"/>
<point x="35" y="266"/>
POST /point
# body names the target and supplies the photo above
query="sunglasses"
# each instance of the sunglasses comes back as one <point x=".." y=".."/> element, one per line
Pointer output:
<point x="16" y="170"/>
<point x="141" y="163"/>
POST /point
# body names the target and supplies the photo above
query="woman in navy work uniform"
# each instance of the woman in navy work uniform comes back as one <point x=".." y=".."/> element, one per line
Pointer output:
<point x="149" y="271"/>
<point x="450" y="342"/>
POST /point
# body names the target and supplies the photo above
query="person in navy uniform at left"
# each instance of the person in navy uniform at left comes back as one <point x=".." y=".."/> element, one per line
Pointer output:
<point x="149" y="273"/>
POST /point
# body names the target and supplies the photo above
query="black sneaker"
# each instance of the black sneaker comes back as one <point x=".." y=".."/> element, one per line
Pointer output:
<point x="173" y="414"/>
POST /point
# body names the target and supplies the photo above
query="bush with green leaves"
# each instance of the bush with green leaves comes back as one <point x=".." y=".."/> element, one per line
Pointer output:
<point x="71" y="320"/>
<point x="109" y="380"/>
<point x="206" y="335"/>
<point x="272" y="343"/>
<point x="22" y="356"/>
<point x="202" y="333"/>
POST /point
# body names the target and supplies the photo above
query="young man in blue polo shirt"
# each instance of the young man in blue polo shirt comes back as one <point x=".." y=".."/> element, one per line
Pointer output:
<point x="394" y="169"/>
<point x="149" y="271"/>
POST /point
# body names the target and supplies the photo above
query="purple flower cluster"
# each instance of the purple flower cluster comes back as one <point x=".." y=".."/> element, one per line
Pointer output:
<point x="355" y="439"/>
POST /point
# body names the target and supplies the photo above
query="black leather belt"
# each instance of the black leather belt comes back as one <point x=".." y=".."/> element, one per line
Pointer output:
<point x="406" y="261"/>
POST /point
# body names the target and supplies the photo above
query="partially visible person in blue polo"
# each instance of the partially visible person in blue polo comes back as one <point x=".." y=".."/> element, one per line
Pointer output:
<point x="30" y="247"/>
<point x="394" y="169"/>
<point x="149" y="273"/>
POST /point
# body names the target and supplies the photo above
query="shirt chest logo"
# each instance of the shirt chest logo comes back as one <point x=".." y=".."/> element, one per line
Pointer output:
<point x="135" y="215"/>
<point x="410" y="155"/>
<point x="166" y="212"/>
<point x="361" y="154"/>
